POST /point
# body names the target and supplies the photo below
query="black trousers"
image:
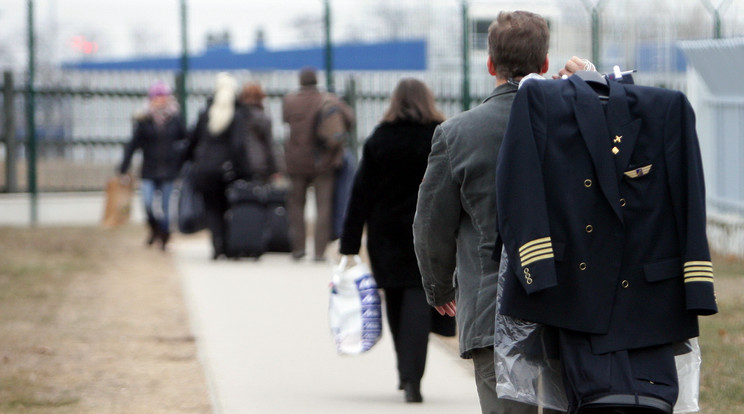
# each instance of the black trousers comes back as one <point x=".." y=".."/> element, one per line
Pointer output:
<point x="647" y="372"/>
<point x="215" y="206"/>
<point x="409" y="317"/>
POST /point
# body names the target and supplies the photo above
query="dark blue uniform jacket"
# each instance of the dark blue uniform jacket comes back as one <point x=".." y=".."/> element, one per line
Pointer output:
<point x="602" y="211"/>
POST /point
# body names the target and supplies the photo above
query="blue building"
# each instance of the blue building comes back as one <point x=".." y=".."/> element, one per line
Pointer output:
<point x="405" y="55"/>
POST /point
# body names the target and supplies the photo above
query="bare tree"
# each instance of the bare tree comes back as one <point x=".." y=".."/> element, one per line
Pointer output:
<point x="309" y="29"/>
<point x="145" y="41"/>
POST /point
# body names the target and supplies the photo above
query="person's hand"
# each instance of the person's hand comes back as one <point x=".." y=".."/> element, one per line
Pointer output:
<point x="573" y="65"/>
<point x="449" y="309"/>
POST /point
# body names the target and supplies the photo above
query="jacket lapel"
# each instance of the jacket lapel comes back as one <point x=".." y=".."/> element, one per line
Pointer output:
<point x="622" y="128"/>
<point x="591" y="120"/>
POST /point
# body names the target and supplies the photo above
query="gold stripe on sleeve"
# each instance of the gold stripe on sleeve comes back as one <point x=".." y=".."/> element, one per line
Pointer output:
<point x="699" y="271"/>
<point x="699" y="263"/>
<point x="536" y="258"/>
<point x="708" y="279"/>
<point x="533" y="242"/>
<point x="531" y="254"/>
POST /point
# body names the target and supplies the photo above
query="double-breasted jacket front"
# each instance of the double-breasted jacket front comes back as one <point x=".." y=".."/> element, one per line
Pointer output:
<point x="601" y="209"/>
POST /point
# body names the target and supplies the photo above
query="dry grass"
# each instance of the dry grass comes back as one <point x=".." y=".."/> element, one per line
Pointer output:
<point x="92" y="322"/>
<point x="722" y="343"/>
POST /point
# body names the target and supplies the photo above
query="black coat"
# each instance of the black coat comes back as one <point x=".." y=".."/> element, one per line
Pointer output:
<point x="602" y="212"/>
<point x="222" y="158"/>
<point x="161" y="159"/>
<point x="384" y="196"/>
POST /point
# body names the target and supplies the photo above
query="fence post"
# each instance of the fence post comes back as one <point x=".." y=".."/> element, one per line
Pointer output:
<point x="351" y="99"/>
<point x="328" y="45"/>
<point x="594" y="15"/>
<point x="11" y="179"/>
<point x="31" y="116"/>
<point x="181" y="94"/>
<point x="182" y="76"/>
<point x="465" y="56"/>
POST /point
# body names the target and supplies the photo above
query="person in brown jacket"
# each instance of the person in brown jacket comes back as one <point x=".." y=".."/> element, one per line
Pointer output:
<point x="260" y="144"/>
<point x="309" y="163"/>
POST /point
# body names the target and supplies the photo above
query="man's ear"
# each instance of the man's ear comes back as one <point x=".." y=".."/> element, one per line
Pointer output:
<point x="545" y="66"/>
<point x="491" y="67"/>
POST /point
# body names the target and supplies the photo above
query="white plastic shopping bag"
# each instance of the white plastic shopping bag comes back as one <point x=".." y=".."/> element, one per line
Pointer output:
<point x="354" y="309"/>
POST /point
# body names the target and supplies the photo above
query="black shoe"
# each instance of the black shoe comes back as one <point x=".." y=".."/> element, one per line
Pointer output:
<point x="151" y="237"/>
<point x="413" y="393"/>
<point x="154" y="234"/>
<point x="164" y="237"/>
<point x="297" y="256"/>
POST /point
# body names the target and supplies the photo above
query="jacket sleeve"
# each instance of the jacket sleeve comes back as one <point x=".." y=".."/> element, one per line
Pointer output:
<point x="131" y="146"/>
<point x="436" y="223"/>
<point x="685" y="175"/>
<point x="520" y="200"/>
<point x="360" y="200"/>
<point x="237" y="131"/>
<point x="194" y="135"/>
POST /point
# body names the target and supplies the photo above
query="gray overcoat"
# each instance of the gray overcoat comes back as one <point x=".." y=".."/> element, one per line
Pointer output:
<point x="455" y="223"/>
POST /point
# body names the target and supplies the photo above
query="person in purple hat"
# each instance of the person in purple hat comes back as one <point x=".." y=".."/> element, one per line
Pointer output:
<point x="157" y="132"/>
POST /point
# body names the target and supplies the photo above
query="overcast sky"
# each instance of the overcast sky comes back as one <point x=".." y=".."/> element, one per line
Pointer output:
<point x="121" y="28"/>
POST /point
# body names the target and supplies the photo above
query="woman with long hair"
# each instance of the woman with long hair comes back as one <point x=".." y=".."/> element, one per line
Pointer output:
<point x="383" y="198"/>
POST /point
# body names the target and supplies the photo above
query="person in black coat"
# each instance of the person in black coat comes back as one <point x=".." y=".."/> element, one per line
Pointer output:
<point x="383" y="197"/>
<point x="218" y="150"/>
<point x="157" y="132"/>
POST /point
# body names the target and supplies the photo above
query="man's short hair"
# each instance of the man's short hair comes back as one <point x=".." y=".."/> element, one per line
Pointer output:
<point x="518" y="43"/>
<point x="308" y="77"/>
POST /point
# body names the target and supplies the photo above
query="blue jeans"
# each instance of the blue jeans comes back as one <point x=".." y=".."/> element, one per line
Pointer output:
<point x="159" y="215"/>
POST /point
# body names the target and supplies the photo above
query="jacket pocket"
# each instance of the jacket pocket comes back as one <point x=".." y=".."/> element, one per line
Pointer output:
<point x="663" y="269"/>
<point x="637" y="178"/>
<point x="654" y="367"/>
<point x="638" y="172"/>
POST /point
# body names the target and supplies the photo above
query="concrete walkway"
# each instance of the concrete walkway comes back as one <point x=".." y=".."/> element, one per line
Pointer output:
<point x="263" y="334"/>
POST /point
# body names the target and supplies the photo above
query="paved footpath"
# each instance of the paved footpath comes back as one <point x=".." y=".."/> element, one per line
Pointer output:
<point x="264" y="339"/>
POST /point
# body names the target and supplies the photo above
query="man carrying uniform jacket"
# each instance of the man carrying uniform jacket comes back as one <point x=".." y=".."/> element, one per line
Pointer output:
<point x="455" y="224"/>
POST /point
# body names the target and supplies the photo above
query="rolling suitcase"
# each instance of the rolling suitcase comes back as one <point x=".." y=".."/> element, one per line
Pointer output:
<point x="277" y="221"/>
<point x="246" y="232"/>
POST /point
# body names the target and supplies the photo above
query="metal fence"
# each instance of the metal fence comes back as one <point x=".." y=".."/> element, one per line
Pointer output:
<point x="81" y="126"/>
<point x="83" y="122"/>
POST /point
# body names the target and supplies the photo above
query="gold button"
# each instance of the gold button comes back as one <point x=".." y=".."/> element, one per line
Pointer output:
<point x="527" y="276"/>
<point x="589" y="228"/>
<point x="587" y="183"/>
<point x="582" y="266"/>
<point x="625" y="284"/>
<point x="622" y="202"/>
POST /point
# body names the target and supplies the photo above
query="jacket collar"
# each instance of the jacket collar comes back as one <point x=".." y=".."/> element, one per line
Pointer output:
<point x="501" y="90"/>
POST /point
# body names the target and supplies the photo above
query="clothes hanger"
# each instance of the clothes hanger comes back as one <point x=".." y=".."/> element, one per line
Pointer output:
<point x="592" y="76"/>
<point x="600" y="83"/>
<point x="597" y="81"/>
